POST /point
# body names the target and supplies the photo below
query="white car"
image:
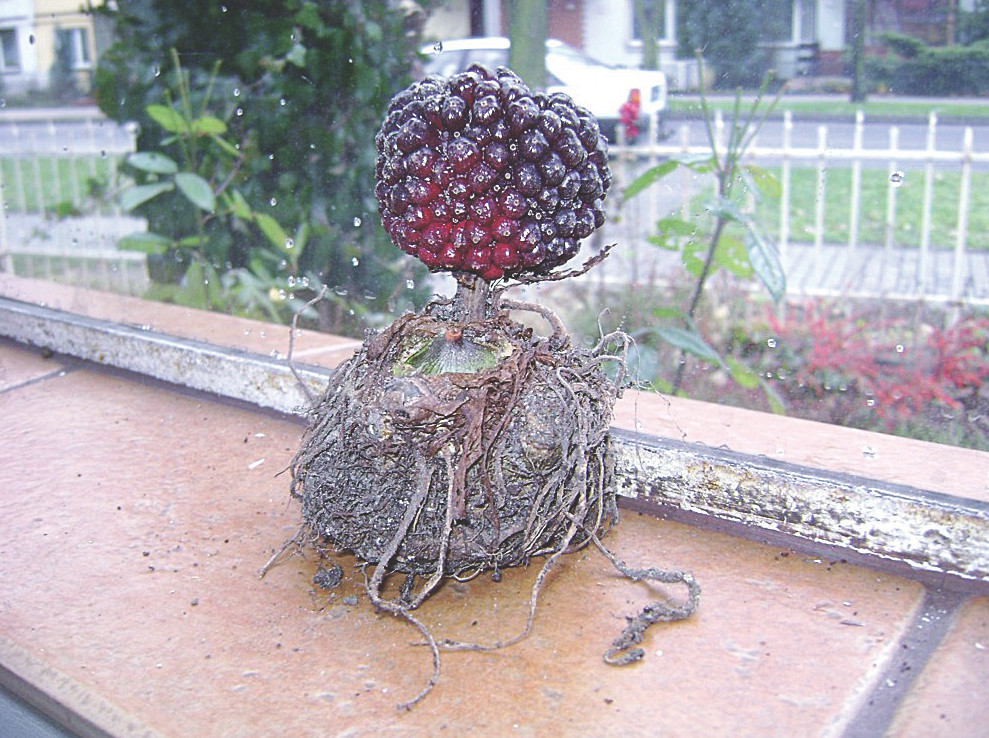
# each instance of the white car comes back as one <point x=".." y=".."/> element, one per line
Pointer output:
<point x="599" y="87"/>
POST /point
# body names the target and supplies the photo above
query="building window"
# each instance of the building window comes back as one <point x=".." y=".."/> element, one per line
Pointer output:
<point x="75" y="41"/>
<point x="10" y="57"/>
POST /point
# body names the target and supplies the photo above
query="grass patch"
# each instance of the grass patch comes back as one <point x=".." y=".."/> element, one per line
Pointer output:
<point x="53" y="184"/>
<point x="872" y="209"/>
<point x="873" y="109"/>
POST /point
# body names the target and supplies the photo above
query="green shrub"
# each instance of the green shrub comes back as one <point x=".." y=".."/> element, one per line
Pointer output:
<point x="302" y="85"/>
<point x="913" y="68"/>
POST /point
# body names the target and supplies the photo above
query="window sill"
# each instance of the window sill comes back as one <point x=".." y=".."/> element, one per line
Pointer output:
<point x="131" y="604"/>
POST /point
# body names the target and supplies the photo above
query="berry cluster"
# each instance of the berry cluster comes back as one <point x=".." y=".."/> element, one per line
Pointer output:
<point x="478" y="174"/>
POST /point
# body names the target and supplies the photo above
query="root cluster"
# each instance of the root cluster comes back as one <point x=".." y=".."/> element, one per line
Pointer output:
<point x="451" y="448"/>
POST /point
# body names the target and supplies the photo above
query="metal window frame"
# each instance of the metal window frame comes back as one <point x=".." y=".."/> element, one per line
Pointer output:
<point x="839" y="516"/>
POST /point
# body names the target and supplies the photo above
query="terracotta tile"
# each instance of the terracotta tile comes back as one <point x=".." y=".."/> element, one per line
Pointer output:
<point x="949" y="697"/>
<point x="19" y="365"/>
<point x="959" y="471"/>
<point x="130" y="567"/>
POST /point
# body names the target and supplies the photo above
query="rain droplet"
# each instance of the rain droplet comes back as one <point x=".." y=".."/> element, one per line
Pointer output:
<point x="157" y="71"/>
<point x="771" y="342"/>
<point x="30" y="39"/>
<point x="355" y="261"/>
<point x="240" y="111"/>
<point x="289" y="244"/>
<point x="410" y="284"/>
<point x="282" y="102"/>
<point x="273" y="202"/>
<point x="896" y="178"/>
<point x="438" y="47"/>
<point x="357" y="222"/>
<point x="236" y="92"/>
<point x="899" y="348"/>
<point x="223" y="8"/>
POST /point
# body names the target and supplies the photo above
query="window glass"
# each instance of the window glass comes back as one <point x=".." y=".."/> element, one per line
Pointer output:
<point x="836" y="273"/>
<point x="10" y="57"/>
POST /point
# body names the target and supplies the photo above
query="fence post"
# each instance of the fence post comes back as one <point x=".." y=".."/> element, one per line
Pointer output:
<point x="892" y="185"/>
<point x="856" y="203"/>
<point x="785" y="192"/>
<point x="819" y="203"/>
<point x="925" y="218"/>
<point x="961" y="237"/>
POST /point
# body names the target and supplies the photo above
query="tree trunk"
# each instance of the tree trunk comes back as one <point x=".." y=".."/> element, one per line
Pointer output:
<point x="858" y="50"/>
<point x="527" y="28"/>
<point x="649" y="18"/>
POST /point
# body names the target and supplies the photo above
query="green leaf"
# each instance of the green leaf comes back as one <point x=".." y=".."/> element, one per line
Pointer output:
<point x="236" y="203"/>
<point x="134" y="196"/>
<point x="225" y="145"/>
<point x="149" y="243"/>
<point x="764" y="180"/>
<point x="152" y="161"/>
<point x="650" y="176"/>
<point x="744" y="376"/>
<point x="766" y="263"/>
<point x="190" y="242"/>
<point x="208" y="125"/>
<point x="168" y="118"/>
<point x="689" y="340"/>
<point x="732" y="255"/>
<point x="272" y="230"/>
<point x="196" y="190"/>
<point x="297" y="55"/>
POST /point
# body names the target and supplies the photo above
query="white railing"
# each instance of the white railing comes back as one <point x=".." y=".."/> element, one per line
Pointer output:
<point x="53" y="222"/>
<point x="944" y="272"/>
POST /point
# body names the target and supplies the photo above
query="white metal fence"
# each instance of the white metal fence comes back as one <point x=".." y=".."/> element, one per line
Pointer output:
<point x="58" y="220"/>
<point x="942" y="266"/>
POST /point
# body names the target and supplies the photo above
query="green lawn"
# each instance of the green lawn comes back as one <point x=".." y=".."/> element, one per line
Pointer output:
<point x="872" y="214"/>
<point x="47" y="184"/>
<point x="873" y="108"/>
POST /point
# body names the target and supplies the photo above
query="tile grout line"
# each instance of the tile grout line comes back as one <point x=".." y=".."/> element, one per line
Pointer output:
<point x="904" y="663"/>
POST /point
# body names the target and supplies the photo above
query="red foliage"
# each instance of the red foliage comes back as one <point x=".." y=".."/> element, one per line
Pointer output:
<point x="900" y="369"/>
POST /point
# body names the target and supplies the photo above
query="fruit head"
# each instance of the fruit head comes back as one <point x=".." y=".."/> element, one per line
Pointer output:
<point x="479" y="174"/>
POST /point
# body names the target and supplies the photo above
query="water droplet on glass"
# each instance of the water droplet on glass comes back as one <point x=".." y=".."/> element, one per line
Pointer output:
<point x="871" y="402"/>
<point x="771" y="342"/>
<point x="157" y="71"/>
<point x="357" y="222"/>
<point x="410" y="284"/>
<point x="438" y="47"/>
<point x="282" y="102"/>
<point x="896" y="178"/>
<point x="240" y="111"/>
<point x="899" y="348"/>
<point x="30" y="39"/>
<point x="289" y="244"/>
<point x="236" y="92"/>
<point x="355" y="261"/>
<point x="273" y="202"/>
<point x="223" y="8"/>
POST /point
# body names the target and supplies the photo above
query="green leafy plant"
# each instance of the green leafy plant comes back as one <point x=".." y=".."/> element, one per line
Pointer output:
<point x="730" y="240"/>
<point x="303" y="87"/>
<point x="193" y="198"/>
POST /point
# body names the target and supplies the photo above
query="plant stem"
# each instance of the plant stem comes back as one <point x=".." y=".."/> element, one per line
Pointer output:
<point x="472" y="302"/>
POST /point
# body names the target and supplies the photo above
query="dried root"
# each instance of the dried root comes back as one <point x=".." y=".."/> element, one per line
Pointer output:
<point x="454" y="443"/>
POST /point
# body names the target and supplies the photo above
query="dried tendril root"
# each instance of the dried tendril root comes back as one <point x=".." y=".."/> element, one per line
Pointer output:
<point x="457" y="441"/>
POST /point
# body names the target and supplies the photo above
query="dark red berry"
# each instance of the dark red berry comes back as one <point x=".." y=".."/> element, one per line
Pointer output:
<point x="478" y="174"/>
